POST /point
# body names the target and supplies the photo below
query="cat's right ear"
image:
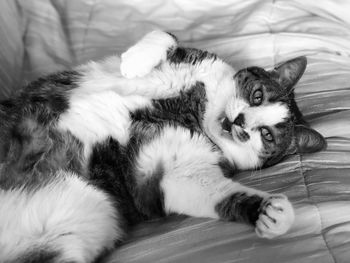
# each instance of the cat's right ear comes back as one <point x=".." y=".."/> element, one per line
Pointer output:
<point x="288" y="73"/>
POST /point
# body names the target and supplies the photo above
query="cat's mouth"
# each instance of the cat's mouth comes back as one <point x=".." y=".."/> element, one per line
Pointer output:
<point x="232" y="131"/>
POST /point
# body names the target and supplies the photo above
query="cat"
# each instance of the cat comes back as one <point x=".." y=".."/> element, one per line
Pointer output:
<point x="88" y="152"/>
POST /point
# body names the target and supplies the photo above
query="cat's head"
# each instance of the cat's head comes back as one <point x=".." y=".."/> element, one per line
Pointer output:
<point x="261" y="123"/>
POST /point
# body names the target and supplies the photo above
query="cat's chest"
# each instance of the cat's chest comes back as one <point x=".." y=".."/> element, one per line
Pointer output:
<point x="95" y="117"/>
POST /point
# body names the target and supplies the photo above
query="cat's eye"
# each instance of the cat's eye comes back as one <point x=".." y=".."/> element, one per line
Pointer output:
<point x="266" y="134"/>
<point x="257" y="97"/>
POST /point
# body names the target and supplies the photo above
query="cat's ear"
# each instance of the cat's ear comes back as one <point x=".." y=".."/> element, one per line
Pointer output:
<point x="288" y="73"/>
<point x="308" y="140"/>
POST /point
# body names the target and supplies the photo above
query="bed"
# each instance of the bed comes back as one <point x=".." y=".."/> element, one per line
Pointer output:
<point x="39" y="36"/>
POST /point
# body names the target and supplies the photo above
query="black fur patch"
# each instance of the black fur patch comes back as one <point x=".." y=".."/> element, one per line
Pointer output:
<point x="240" y="207"/>
<point x="185" y="110"/>
<point x="38" y="256"/>
<point x="46" y="97"/>
<point x="42" y="100"/>
<point x="36" y="152"/>
<point x="148" y="196"/>
<point x="227" y="168"/>
<point x="189" y="55"/>
<point x="137" y="196"/>
<point x="110" y="170"/>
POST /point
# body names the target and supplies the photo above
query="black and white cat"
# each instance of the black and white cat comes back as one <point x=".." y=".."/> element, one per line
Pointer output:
<point x="88" y="152"/>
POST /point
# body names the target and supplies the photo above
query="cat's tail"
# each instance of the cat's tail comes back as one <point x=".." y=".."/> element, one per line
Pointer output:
<point x="64" y="220"/>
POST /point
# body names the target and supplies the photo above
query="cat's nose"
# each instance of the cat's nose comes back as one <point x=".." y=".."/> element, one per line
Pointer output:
<point x="239" y="121"/>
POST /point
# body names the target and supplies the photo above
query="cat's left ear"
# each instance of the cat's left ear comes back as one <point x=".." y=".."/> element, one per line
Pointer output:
<point x="308" y="140"/>
<point x="288" y="73"/>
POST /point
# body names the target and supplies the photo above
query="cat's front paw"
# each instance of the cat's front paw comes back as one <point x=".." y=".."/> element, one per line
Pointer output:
<point x="145" y="55"/>
<point x="276" y="216"/>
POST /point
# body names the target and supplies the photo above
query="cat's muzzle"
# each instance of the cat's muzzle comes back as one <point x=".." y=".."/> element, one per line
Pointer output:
<point x="233" y="130"/>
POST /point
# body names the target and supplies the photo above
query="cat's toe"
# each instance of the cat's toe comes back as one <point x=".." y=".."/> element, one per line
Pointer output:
<point x="275" y="218"/>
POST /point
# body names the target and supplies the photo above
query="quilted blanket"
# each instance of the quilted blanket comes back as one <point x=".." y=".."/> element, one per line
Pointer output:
<point x="39" y="36"/>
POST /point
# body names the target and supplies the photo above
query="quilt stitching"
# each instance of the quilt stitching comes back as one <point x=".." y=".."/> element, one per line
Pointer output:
<point x="317" y="208"/>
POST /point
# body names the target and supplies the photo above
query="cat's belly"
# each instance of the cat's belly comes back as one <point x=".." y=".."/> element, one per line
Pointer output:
<point x="94" y="117"/>
<point x="179" y="161"/>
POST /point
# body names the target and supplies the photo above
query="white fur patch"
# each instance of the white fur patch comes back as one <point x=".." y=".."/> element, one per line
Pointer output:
<point x="234" y="107"/>
<point x="198" y="194"/>
<point x="175" y="148"/>
<point x="266" y="115"/>
<point x="94" y="117"/>
<point x="68" y="216"/>
<point x="243" y="155"/>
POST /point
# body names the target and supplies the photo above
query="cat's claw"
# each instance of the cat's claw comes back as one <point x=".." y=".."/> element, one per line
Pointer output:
<point x="276" y="216"/>
<point x="140" y="59"/>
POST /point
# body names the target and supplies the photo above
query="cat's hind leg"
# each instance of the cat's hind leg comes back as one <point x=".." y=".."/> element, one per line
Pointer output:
<point x="146" y="54"/>
<point x="66" y="220"/>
